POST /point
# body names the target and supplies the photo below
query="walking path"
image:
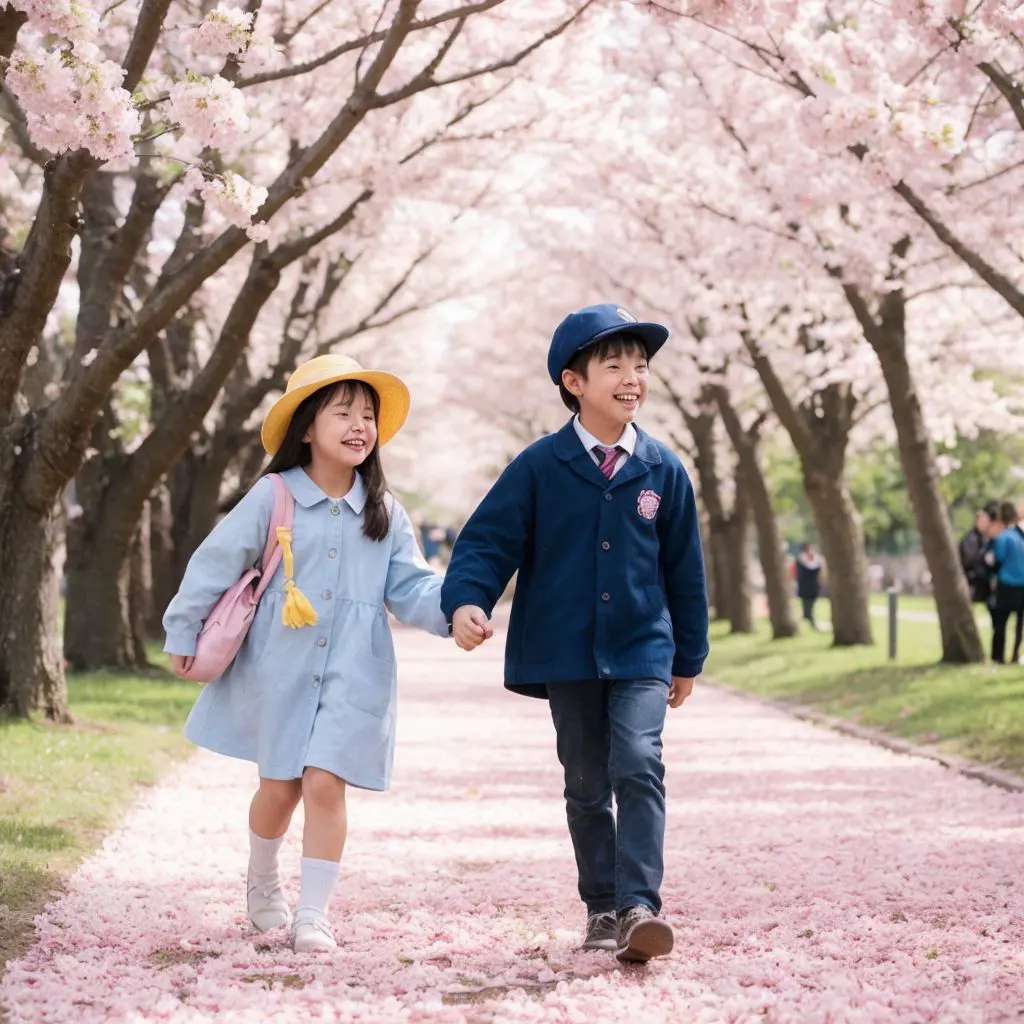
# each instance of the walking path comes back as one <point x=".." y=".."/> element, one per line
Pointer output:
<point x="811" y="877"/>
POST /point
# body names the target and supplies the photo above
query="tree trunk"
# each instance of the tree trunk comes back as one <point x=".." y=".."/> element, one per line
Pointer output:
<point x="819" y="427"/>
<point x="709" y="561"/>
<point x="719" y="543"/>
<point x="100" y="625"/>
<point x="769" y="542"/>
<point x="702" y="429"/>
<point x="961" y="642"/>
<point x="140" y="590"/>
<point x="842" y="544"/>
<point x="885" y="331"/>
<point x="31" y="653"/>
<point x="771" y="555"/>
<point x="737" y="537"/>
<point x="161" y="559"/>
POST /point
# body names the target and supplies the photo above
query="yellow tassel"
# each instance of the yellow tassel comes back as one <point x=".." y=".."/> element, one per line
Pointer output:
<point x="297" y="611"/>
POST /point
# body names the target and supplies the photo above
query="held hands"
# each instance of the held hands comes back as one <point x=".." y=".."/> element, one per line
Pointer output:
<point x="471" y="627"/>
<point x="180" y="664"/>
<point x="680" y="689"/>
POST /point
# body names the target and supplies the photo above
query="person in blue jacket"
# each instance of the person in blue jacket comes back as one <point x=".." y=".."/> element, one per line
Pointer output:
<point x="609" y="621"/>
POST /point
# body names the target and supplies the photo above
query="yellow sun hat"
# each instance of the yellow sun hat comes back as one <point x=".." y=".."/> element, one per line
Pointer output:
<point x="323" y="370"/>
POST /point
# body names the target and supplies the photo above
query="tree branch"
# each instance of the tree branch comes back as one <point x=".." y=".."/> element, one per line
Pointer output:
<point x="147" y="31"/>
<point x="14" y="117"/>
<point x="363" y="41"/>
<point x="11" y="22"/>
<point x="425" y="80"/>
<point x="1011" y="89"/>
<point x="29" y="290"/>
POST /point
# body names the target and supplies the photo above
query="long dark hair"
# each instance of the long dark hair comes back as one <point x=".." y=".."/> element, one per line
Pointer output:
<point x="296" y="452"/>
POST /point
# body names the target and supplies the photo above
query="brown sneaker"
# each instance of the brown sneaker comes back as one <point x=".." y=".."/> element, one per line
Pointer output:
<point x="642" y="936"/>
<point x="602" y="932"/>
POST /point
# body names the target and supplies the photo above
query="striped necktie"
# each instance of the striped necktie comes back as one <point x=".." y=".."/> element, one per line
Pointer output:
<point x="609" y="456"/>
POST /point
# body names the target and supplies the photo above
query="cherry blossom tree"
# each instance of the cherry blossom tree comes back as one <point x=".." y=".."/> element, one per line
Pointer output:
<point x="819" y="194"/>
<point x="124" y="115"/>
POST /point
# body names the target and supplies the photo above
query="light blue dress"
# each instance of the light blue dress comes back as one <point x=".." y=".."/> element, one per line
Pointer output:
<point x="323" y="695"/>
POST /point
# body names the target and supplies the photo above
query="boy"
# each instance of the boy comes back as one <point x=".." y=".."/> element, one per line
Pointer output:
<point x="610" y="617"/>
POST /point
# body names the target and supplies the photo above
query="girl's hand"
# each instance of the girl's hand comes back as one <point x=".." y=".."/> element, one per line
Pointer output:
<point x="470" y="627"/>
<point x="680" y="689"/>
<point x="180" y="664"/>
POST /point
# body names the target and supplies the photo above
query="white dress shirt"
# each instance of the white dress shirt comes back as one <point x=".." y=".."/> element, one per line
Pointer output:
<point x="627" y="442"/>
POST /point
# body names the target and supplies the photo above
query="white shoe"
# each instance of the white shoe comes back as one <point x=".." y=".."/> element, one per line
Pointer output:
<point x="267" y="906"/>
<point x="312" y="933"/>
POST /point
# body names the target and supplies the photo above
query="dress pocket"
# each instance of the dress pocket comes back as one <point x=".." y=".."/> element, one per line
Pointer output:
<point x="371" y="685"/>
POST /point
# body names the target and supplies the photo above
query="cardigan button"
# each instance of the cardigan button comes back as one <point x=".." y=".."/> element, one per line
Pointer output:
<point x="606" y="596"/>
<point x="605" y="546"/>
<point x="607" y="496"/>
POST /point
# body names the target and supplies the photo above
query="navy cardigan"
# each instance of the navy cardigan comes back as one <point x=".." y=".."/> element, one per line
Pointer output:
<point x="611" y="575"/>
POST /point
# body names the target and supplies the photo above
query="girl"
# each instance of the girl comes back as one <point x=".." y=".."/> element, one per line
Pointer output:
<point x="311" y="695"/>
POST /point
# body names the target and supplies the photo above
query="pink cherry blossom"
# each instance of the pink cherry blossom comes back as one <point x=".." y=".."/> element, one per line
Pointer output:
<point x="229" y="195"/>
<point x="211" y="110"/>
<point x="223" y="32"/>
<point x="810" y="877"/>
<point x="73" y="98"/>
<point x="74" y="19"/>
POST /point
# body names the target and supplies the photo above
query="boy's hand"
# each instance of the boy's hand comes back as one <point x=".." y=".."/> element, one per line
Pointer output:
<point x="470" y="627"/>
<point x="680" y="689"/>
<point x="180" y="664"/>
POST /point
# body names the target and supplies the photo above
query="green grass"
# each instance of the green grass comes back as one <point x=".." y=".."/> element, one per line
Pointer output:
<point x="975" y="711"/>
<point x="905" y="602"/>
<point x="62" y="787"/>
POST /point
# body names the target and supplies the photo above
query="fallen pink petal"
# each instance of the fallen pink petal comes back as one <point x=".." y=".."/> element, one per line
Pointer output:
<point x="811" y="877"/>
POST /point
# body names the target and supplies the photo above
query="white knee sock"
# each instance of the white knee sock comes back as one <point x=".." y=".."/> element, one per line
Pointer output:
<point x="263" y="856"/>
<point x="318" y="878"/>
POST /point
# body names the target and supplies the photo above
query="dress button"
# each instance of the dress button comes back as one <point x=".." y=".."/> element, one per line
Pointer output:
<point x="335" y="511"/>
<point x="607" y="496"/>
<point x="316" y="680"/>
<point x="605" y="546"/>
<point x="333" y="553"/>
<point x="327" y="595"/>
<point x="322" y="642"/>
<point x="606" y="596"/>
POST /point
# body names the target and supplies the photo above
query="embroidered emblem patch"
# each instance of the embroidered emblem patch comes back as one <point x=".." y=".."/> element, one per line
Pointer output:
<point x="647" y="504"/>
<point x="624" y="314"/>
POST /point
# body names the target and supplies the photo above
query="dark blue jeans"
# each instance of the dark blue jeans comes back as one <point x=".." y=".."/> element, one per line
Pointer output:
<point x="609" y="741"/>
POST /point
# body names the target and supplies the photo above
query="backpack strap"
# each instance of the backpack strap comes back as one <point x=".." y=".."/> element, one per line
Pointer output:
<point x="284" y="509"/>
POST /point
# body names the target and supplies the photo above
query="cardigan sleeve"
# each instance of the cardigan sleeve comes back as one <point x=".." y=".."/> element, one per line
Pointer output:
<point x="235" y="544"/>
<point x="685" y="585"/>
<point x="493" y="543"/>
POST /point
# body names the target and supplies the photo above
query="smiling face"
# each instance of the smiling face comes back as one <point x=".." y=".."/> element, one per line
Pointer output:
<point x="344" y="430"/>
<point x="609" y="381"/>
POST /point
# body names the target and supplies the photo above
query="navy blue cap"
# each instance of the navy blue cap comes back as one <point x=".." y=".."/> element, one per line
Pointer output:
<point x="578" y="330"/>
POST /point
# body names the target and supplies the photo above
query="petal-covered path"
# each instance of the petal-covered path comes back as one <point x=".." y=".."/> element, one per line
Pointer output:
<point x="811" y="877"/>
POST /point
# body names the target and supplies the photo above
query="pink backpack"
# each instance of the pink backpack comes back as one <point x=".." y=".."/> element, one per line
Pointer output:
<point x="230" y="618"/>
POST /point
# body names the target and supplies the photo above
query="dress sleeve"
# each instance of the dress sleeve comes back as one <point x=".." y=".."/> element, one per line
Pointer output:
<point x="235" y="544"/>
<point x="412" y="591"/>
